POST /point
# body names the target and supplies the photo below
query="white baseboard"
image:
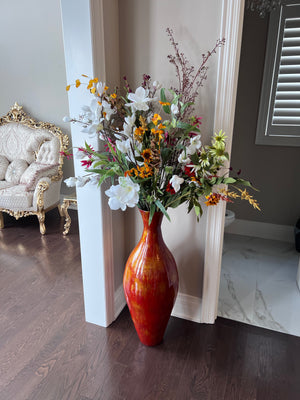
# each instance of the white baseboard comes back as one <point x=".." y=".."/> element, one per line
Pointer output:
<point x="120" y="301"/>
<point x="187" y="307"/>
<point x="284" y="233"/>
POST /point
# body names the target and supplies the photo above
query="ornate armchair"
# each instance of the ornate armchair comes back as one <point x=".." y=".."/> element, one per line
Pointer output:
<point x="30" y="166"/>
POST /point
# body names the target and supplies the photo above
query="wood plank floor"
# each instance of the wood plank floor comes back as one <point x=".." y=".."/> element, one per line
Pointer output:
<point x="48" y="351"/>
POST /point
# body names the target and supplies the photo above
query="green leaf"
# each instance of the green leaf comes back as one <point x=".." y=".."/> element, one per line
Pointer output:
<point x="244" y="182"/>
<point x="162" y="209"/>
<point x="152" y="211"/>
<point x="195" y="159"/>
<point x="163" y="95"/>
<point x="165" y="153"/>
<point x="100" y="162"/>
<point x="184" y="106"/>
<point x="190" y="206"/>
<point x="229" y="180"/>
<point x="167" y="109"/>
<point x="183" y="125"/>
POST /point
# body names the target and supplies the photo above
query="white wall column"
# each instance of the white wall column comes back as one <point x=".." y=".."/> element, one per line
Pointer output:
<point x="84" y="33"/>
<point x="231" y="30"/>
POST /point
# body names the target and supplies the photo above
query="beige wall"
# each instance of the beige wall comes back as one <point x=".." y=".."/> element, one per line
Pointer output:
<point x="144" y="47"/>
<point x="32" y="62"/>
<point x="273" y="169"/>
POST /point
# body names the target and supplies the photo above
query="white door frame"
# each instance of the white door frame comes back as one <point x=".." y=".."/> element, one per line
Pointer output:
<point x="101" y="302"/>
<point x="231" y="29"/>
<point x="85" y="52"/>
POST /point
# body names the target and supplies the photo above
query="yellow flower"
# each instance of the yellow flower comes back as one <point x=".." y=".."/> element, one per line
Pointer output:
<point x="77" y="83"/>
<point x="143" y="123"/>
<point x="138" y="133"/>
<point x="93" y="90"/>
<point x="156" y="118"/>
<point x="68" y="88"/>
<point x="90" y="85"/>
<point x="113" y="96"/>
<point x="164" y="103"/>
<point x="106" y="87"/>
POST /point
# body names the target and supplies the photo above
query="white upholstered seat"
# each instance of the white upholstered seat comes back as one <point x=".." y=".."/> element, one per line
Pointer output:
<point x="30" y="165"/>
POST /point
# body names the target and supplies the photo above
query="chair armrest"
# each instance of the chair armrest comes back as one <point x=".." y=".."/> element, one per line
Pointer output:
<point x="46" y="193"/>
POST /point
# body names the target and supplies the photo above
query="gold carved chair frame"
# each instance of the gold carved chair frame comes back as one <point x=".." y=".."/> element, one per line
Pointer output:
<point x="17" y="114"/>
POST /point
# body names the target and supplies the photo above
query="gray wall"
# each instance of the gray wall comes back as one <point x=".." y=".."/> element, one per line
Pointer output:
<point x="274" y="170"/>
<point x="144" y="47"/>
<point x="33" y="63"/>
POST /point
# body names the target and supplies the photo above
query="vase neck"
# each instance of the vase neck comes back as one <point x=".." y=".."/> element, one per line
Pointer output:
<point x="155" y="226"/>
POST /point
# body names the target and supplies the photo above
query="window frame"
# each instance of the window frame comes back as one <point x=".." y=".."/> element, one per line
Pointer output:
<point x="268" y="133"/>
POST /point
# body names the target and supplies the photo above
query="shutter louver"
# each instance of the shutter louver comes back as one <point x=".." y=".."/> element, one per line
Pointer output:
<point x="287" y="97"/>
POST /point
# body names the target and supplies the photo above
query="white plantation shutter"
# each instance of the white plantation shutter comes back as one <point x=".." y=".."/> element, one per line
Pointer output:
<point x="279" y="112"/>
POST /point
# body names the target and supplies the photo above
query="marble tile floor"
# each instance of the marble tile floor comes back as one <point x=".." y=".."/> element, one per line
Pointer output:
<point x="258" y="283"/>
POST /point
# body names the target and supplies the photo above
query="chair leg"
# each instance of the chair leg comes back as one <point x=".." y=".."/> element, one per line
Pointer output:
<point x="41" y="218"/>
<point x="60" y="210"/>
<point x="1" y="220"/>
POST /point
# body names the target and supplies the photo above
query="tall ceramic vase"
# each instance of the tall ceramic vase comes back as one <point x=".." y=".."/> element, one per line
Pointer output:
<point x="151" y="282"/>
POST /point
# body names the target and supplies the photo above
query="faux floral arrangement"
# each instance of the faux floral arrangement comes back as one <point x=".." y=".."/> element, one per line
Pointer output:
<point x="152" y="144"/>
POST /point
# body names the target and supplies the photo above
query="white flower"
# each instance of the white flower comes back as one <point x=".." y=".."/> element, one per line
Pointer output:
<point x="94" y="179"/>
<point x="128" y="125"/>
<point x="130" y="119"/>
<point x="183" y="158"/>
<point x="157" y="85"/>
<point x="91" y="117"/>
<point x="123" y="146"/>
<point x="80" y="155"/>
<point x="176" y="181"/>
<point x="90" y="129"/>
<point x="101" y="88"/>
<point x="107" y="109"/>
<point x="195" y="144"/>
<point x="71" y="182"/>
<point x="93" y="112"/>
<point x="66" y="118"/>
<point x="123" y="195"/>
<point x="174" y="109"/>
<point x="82" y="180"/>
<point x="139" y="99"/>
<point x="78" y="181"/>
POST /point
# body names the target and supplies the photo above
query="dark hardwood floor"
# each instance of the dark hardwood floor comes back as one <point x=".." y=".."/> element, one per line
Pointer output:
<point x="48" y="351"/>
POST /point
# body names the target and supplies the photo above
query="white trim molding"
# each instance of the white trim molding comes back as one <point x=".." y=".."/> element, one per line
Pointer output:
<point x="187" y="307"/>
<point x="263" y="230"/>
<point x="120" y="301"/>
<point x="85" y="53"/>
<point x="232" y="25"/>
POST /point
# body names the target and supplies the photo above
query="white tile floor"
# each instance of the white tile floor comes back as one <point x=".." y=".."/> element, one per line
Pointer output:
<point x="258" y="283"/>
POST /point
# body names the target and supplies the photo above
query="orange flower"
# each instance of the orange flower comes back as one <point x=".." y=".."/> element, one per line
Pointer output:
<point x="156" y="118"/>
<point x="147" y="155"/>
<point x="130" y="172"/>
<point x="213" y="199"/>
